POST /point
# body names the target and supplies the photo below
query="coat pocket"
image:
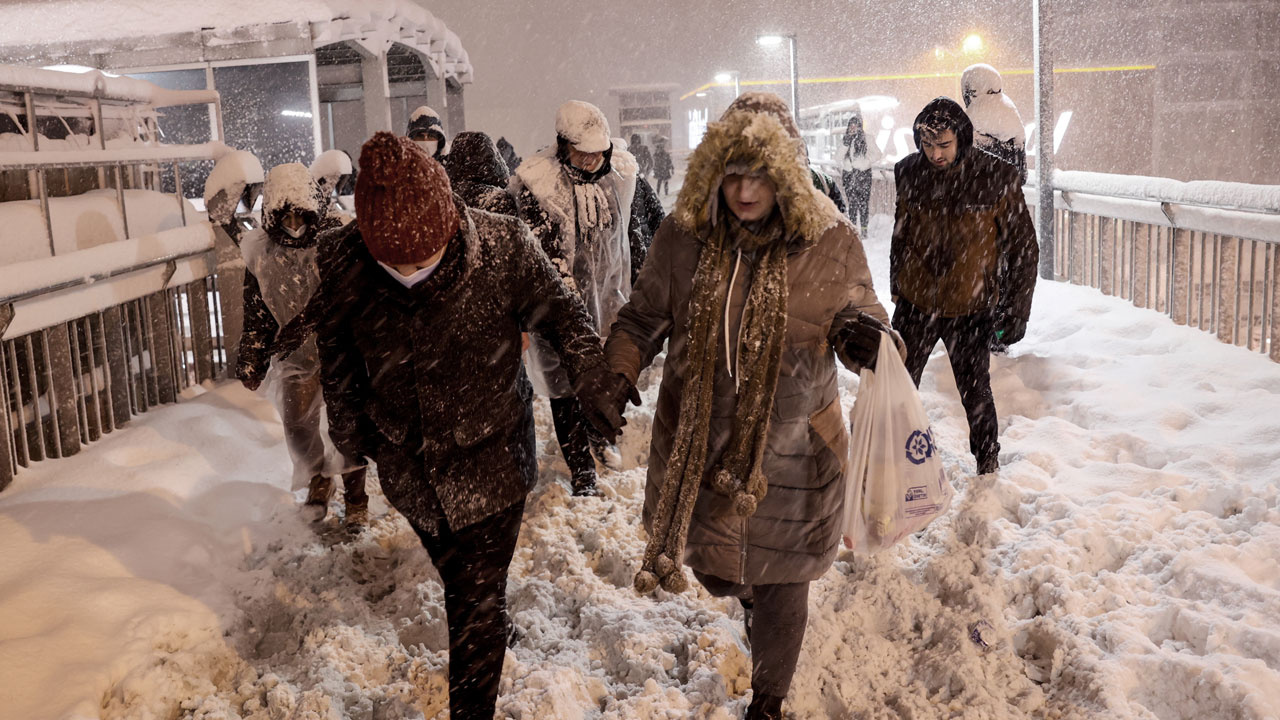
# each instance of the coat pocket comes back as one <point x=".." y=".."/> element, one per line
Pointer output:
<point x="828" y="426"/>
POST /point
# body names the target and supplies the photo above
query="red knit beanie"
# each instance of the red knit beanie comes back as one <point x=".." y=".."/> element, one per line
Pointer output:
<point x="403" y="201"/>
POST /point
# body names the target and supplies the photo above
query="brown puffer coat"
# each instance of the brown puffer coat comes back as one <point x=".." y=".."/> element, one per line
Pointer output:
<point x="795" y="532"/>
<point x="963" y="240"/>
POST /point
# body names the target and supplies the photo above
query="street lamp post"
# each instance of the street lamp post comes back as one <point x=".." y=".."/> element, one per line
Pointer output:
<point x="774" y="40"/>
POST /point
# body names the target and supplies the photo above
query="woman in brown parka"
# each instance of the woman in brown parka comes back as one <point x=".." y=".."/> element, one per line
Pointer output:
<point x="759" y="284"/>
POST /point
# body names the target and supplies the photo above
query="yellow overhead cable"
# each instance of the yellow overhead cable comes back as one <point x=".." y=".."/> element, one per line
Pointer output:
<point x="912" y="76"/>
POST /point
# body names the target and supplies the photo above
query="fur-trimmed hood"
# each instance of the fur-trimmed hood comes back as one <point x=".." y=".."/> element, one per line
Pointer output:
<point x="759" y="141"/>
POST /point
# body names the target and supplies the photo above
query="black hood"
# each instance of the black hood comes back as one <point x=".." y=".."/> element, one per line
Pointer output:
<point x="475" y="158"/>
<point x="943" y="113"/>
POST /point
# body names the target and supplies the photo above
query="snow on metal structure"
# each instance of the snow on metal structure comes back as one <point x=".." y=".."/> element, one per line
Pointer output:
<point x="122" y="312"/>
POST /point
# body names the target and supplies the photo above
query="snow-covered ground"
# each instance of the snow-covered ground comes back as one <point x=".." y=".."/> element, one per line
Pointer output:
<point x="1127" y="560"/>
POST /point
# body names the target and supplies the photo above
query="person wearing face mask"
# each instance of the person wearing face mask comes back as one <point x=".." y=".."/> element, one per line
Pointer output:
<point x="576" y="195"/>
<point x="418" y="319"/>
<point x="758" y="285"/>
<point x="427" y="132"/>
<point x="280" y="278"/>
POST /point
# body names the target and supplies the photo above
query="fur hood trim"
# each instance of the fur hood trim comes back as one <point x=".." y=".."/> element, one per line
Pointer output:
<point x="757" y="141"/>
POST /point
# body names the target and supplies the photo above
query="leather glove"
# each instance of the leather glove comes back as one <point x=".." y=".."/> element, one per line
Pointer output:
<point x="1010" y="329"/>
<point x="860" y="339"/>
<point x="603" y="395"/>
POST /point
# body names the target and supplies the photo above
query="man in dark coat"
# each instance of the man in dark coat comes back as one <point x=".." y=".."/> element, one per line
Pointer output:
<point x="960" y="216"/>
<point x="663" y="168"/>
<point x="422" y="305"/>
<point x="508" y="153"/>
<point x="644" y="158"/>
<point x="478" y="174"/>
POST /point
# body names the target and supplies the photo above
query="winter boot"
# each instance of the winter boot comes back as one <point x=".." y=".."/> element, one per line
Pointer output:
<point x="318" y="494"/>
<point x="584" y="485"/>
<point x="764" y="707"/>
<point x="356" y="499"/>
<point x="606" y="454"/>
<point x="988" y="464"/>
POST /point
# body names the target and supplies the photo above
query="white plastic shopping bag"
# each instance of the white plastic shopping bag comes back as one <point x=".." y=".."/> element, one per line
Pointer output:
<point x="896" y="483"/>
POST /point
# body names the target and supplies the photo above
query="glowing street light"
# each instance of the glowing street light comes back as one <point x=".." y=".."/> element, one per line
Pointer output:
<point x="972" y="44"/>
<point x="724" y="77"/>
<point x="773" y="40"/>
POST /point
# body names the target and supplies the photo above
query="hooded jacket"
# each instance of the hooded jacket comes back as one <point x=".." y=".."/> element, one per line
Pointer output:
<point x="593" y="254"/>
<point x="955" y="228"/>
<point x="281" y="270"/>
<point x="478" y="174"/>
<point x="795" y="531"/>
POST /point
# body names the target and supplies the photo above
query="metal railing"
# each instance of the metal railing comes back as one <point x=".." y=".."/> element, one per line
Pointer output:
<point x="1205" y="264"/>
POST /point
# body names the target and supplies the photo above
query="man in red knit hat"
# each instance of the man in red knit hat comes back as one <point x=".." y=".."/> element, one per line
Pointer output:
<point x="418" y="321"/>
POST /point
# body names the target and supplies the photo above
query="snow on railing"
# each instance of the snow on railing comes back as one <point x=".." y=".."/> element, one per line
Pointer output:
<point x="1206" y="253"/>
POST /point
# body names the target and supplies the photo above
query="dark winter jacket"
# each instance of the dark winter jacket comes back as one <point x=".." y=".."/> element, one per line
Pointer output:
<point x="663" y="169"/>
<point x="428" y="380"/>
<point x="478" y="173"/>
<point x="644" y="158"/>
<point x="646" y="216"/>
<point x="956" y="227"/>
<point x="795" y="531"/>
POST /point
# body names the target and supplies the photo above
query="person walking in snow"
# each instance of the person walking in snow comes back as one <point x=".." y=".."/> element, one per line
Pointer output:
<point x="418" y="320"/>
<point x="576" y="196"/>
<point x="997" y="126"/>
<point x="335" y="177"/>
<point x="855" y="170"/>
<point x="644" y="158"/>
<point x="646" y="216"/>
<point x="757" y="285"/>
<point x="997" y="129"/>
<point x="478" y="174"/>
<point x="663" y="169"/>
<point x="960" y="217"/>
<point x="427" y="132"/>
<point x="280" y="278"/>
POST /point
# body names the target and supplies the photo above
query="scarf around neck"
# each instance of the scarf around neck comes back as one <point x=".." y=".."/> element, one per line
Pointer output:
<point x="738" y="473"/>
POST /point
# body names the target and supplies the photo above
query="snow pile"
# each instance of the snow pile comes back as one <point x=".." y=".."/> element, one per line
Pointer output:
<point x="89" y="84"/>
<point x="1125" y="561"/>
<point x="329" y="166"/>
<point x="232" y="172"/>
<point x="84" y="221"/>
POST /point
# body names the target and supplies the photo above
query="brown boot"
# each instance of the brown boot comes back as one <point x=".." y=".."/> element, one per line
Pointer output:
<point x="356" y="499"/>
<point x="320" y="490"/>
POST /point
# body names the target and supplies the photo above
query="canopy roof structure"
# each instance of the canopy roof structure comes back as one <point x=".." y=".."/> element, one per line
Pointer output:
<point x="150" y="33"/>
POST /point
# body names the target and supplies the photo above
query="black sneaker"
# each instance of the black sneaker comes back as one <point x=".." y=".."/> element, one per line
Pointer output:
<point x="764" y="707"/>
<point x="585" y="486"/>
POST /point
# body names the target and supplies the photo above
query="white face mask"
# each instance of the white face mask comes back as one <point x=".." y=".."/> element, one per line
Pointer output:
<point x="297" y="232"/>
<point x="428" y="146"/>
<point x="409" y="280"/>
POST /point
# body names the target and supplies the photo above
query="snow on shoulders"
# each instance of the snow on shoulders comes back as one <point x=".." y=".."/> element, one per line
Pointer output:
<point x="238" y="168"/>
<point x="997" y="117"/>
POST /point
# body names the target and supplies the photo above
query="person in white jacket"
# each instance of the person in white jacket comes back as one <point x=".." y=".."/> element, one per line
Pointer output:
<point x="997" y="126"/>
<point x="855" y="170"/>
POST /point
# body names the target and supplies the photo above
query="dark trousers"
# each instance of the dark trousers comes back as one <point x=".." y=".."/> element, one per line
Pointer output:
<point x="857" y="187"/>
<point x="968" y="340"/>
<point x="662" y="188"/>
<point x="473" y="563"/>
<point x="574" y="433"/>
<point x="779" y="614"/>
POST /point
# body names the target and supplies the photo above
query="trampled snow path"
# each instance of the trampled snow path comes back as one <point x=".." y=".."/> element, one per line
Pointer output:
<point x="1127" y="559"/>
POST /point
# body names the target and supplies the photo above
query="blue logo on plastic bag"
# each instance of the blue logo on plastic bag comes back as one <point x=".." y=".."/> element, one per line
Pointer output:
<point x="920" y="446"/>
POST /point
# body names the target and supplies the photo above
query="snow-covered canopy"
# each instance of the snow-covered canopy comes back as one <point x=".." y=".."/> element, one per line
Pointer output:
<point x="33" y="23"/>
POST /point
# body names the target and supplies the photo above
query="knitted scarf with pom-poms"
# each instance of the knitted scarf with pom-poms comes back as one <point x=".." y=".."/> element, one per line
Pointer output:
<point x="739" y="473"/>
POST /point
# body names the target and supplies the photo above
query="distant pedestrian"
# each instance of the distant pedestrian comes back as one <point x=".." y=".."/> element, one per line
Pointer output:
<point x="508" y="153"/>
<point x="663" y="168"/>
<point x="427" y="132"/>
<point x="478" y="174"/>
<point x="997" y="126"/>
<point x="856" y="161"/>
<point x="644" y="158"/>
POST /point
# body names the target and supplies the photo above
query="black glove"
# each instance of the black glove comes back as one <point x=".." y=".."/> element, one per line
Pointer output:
<point x="603" y="394"/>
<point x="1010" y="329"/>
<point x="860" y="339"/>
